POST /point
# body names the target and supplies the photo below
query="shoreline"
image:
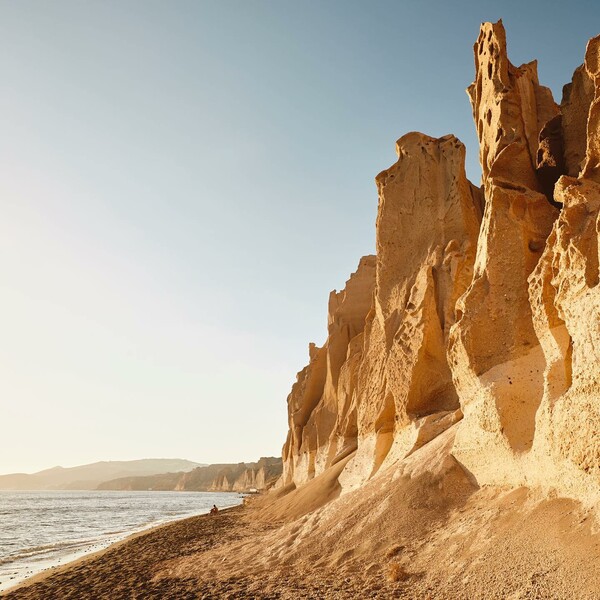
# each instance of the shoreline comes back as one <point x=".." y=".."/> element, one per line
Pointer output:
<point x="119" y="569"/>
<point x="382" y="541"/>
<point x="93" y="549"/>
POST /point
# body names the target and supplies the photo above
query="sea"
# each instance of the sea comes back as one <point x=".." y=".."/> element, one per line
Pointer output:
<point x="42" y="530"/>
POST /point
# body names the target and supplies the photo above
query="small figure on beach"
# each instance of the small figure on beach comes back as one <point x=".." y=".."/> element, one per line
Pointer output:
<point x="214" y="510"/>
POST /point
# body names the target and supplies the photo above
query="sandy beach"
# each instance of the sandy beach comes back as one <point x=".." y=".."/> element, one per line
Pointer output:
<point x="425" y="535"/>
<point x="138" y="567"/>
<point x="127" y="568"/>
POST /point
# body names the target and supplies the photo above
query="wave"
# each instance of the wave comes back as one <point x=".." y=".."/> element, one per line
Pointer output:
<point x="46" y="549"/>
<point x="32" y="534"/>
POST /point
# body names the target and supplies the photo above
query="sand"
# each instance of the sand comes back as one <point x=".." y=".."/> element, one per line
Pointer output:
<point x="127" y="568"/>
<point x="420" y="533"/>
<point x="500" y="544"/>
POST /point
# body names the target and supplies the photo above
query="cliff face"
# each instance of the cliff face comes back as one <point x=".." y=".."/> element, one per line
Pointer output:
<point x="240" y="477"/>
<point x="321" y="414"/>
<point x="523" y="353"/>
<point x="390" y="368"/>
<point x="482" y="303"/>
<point x="496" y="359"/>
<point x="234" y="478"/>
<point x="427" y="224"/>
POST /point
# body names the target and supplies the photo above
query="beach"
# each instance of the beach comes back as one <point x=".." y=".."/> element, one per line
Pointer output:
<point x="138" y="567"/>
<point x="127" y="568"/>
<point x="149" y="565"/>
<point x="422" y="536"/>
<point x="44" y="529"/>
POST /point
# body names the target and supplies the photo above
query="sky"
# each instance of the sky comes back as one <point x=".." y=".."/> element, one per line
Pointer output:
<point x="183" y="183"/>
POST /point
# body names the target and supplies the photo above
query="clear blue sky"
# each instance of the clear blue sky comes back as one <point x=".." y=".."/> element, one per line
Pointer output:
<point x="183" y="183"/>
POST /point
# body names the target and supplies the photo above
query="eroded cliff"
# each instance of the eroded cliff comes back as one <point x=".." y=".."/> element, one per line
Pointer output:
<point x="239" y="477"/>
<point x="481" y="305"/>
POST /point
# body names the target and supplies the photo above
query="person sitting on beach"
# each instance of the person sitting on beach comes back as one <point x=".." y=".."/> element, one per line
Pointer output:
<point x="214" y="510"/>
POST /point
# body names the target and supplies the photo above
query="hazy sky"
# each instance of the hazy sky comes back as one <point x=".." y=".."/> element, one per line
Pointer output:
<point x="183" y="183"/>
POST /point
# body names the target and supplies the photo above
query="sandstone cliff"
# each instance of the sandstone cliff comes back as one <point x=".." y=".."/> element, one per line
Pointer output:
<point x="240" y="477"/>
<point x="481" y="310"/>
<point x="322" y="418"/>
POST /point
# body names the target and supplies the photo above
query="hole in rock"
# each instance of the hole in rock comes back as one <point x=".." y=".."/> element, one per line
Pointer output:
<point x="550" y="164"/>
<point x="536" y="245"/>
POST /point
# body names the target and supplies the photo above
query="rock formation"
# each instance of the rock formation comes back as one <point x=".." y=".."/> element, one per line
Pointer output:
<point x="363" y="388"/>
<point x="496" y="360"/>
<point x="240" y="477"/>
<point x="565" y="300"/>
<point x="322" y="419"/>
<point x="482" y="303"/>
<point x="427" y="225"/>
<point x="528" y="391"/>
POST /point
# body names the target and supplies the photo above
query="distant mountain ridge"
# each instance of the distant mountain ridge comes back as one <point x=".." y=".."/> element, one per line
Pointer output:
<point x="240" y="477"/>
<point x="90" y="476"/>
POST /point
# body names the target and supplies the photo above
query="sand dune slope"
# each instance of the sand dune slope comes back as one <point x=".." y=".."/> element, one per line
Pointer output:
<point x="420" y="529"/>
<point x="424" y="524"/>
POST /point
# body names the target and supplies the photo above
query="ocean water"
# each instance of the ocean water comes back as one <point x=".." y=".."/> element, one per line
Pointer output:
<point x="40" y="530"/>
